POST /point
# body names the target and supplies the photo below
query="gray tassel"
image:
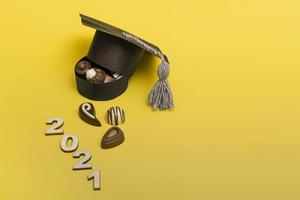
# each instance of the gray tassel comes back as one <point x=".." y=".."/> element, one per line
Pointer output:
<point x="161" y="96"/>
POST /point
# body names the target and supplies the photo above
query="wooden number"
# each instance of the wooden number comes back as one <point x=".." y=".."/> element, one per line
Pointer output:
<point x="83" y="163"/>
<point x="55" y="128"/>
<point x="95" y="175"/>
<point x="64" y="143"/>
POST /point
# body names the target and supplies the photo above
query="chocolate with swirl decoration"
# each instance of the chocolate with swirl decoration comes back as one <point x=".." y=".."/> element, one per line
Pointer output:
<point x="112" y="138"/>
<point x="87" y="113"/>
<point x="115" y="116"/>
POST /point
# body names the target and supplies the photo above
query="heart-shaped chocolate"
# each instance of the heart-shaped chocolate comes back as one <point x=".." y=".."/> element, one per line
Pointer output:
<point x="87" y="113"/>
<point x="112" y="138"/>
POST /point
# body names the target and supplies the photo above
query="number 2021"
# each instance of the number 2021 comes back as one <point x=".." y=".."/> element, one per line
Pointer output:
<point x="83" y="163"/>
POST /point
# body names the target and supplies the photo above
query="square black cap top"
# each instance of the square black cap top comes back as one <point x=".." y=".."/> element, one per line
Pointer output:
<point x="117" y="32"/>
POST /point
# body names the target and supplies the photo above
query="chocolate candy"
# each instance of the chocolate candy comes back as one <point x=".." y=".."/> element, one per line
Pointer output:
<point x="82" y="67"/>
<point x="117" y="76"/>
<point x="87" y="114"/>
<point x="96" y="75"/>
<point x="109" y="79"/>
<point x="115" y="116"/>
<point x="112" y="138"/>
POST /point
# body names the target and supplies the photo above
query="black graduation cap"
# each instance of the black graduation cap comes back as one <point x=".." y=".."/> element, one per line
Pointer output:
<point x="118" y="52"/>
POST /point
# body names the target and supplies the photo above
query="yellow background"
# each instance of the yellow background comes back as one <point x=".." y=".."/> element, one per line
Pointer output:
<point x="234" y="133"/>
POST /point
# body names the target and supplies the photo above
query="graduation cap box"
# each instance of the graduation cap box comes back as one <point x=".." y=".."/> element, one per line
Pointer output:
<point x="118" y="51"/>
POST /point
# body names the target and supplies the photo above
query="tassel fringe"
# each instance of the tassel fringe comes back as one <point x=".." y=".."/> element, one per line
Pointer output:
<point x="161" y="96"/>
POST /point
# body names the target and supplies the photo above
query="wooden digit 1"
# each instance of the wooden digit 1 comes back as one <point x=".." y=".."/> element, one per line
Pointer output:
<point x="95" y="175"/>
<point x="64" y="143"/>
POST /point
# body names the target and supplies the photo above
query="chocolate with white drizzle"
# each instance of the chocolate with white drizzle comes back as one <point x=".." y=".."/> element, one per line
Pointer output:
<point x="117" y="76"/>
<point x="115" y="116"/>
<point x="112" y="138"/>
<point x="87" y="113"/>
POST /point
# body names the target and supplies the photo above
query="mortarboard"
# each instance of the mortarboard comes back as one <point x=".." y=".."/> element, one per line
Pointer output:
<point x="117" y="52"/>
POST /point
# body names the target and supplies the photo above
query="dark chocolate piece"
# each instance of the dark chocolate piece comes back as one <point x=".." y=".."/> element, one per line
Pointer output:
<point x="109" y="79"/>
<point x="96" y="75"/>
<point x="82" y="67"/>
<point x="87" y="113"/>
<point x="112" y="138"/>
<point x="115" y="116"/>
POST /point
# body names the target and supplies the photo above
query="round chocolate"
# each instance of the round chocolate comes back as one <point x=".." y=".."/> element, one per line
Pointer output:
<point x="96" y="75"/>
<point x="115" y="116"/>
<point x="82" y="67"/>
